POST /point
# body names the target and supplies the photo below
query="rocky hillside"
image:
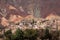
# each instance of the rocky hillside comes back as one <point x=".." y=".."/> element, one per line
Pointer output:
<point x="23" y="7"/>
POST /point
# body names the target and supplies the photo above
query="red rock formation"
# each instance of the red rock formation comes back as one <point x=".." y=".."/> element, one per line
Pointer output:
<point x="48" y="6"/>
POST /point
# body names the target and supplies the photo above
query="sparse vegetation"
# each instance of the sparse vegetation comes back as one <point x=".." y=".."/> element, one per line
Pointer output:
<point x="8" y="34"/>
<point x="32" y="34"/>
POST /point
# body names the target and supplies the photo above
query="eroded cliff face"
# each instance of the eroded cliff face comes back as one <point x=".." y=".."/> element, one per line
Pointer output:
<point x="49" y="6"/>
<point x="15" y="7"/>
<point x="46" y="6"/>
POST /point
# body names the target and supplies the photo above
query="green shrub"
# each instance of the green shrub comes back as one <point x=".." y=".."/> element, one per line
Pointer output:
<point x="13" y="37"/>
<point x="30" y="34"/>
<point x="8" y="34"/>
<point x="47" y="34"/>
<point x="18" y="34"/>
